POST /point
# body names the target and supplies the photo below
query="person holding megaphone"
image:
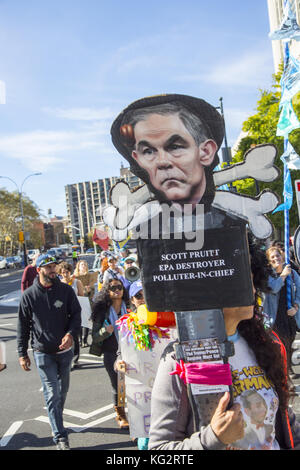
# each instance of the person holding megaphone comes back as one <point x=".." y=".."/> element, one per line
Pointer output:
<point x="131" y="270"/>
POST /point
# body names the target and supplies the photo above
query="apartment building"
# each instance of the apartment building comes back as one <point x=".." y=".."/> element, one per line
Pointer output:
<point x="86" y="200"/>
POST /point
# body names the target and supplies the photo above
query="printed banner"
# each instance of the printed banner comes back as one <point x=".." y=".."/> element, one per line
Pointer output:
<point x="291" y="158"/>
<point x="287" y="194"/>
<point x="139" y="379"/>
<point x="289" y="28"/>
<point x="100" y="237"/>
<point x="86" y="312"/>
<point x="2" y="353"/>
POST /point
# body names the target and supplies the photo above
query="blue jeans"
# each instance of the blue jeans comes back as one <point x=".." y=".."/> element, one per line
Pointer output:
<point x="54" y="371"/>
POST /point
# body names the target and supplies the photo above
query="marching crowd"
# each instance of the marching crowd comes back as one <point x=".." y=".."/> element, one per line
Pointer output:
<point x="263" y="336"/>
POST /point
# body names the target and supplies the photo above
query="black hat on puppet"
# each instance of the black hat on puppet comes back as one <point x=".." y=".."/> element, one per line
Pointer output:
<point x="122" y="132"/>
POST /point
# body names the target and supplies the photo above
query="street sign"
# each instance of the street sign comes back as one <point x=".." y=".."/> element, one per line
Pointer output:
<point x="297" y="192"/>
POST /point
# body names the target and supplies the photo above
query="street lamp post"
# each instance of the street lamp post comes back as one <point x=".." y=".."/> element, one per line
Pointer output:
<point x="80" y="227"/>
<point x="20" y="190"/>
<point x="79" y="216"/>
<point x="228" y="155"/>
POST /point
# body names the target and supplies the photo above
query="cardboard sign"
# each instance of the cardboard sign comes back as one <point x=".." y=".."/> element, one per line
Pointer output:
<point x="86" y="312"/>
<point x="140" y="374"/>
<point x="2" y="353"/>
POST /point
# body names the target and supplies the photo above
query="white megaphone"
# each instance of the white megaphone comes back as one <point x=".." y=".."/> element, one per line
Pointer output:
<point x="132" y="273"/>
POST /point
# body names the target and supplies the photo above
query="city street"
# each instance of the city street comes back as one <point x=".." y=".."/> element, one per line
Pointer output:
<point x="88" y="412"/>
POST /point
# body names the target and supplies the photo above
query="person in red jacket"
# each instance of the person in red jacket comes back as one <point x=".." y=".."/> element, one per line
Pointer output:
<point x="29" y="275"/>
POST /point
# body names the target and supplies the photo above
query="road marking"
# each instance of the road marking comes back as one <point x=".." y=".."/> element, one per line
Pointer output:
<point x="81" y="415"/>
<point x="90" y="361"/>
<point x="10" y="433"/>
<point x="75" y="427"/>
<point x="78" y="427"/>
<point x="11" y="299"/>
<point x="5" y="324"/>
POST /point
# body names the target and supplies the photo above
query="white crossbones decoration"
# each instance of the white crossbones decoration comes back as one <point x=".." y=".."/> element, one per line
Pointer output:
<point x="129" y="209"/>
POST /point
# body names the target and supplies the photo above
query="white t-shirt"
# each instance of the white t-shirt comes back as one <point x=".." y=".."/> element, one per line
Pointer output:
<point x="258" y="400"/>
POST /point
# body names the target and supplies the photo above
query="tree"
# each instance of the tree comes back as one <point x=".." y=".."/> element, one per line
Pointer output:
<point x="10" y="220"/>
<point x="261" y="129"/>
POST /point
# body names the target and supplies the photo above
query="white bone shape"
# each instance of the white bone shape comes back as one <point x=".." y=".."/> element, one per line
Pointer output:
<point x="249" y="209"/>
<point x="127" y="202"/>
<point x="142" y="214"/>
<point x="258" y="164"/>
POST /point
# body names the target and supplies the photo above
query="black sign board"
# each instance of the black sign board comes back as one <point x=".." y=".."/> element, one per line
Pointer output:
<point x="215" y="276"/>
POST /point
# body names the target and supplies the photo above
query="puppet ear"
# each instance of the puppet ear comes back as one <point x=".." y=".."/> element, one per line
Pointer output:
<point x="207" y="151"/>
<point x="134" y="155"/>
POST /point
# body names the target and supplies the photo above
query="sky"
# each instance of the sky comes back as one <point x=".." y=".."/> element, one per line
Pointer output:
<point x="71" y="66"/>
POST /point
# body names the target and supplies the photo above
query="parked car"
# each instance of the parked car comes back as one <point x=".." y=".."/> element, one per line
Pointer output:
<point x="10" y="262"/>
<point x="58" y="253"/>
<point x="3" y="263"/>
<point x="61" y="254"/>
<point x="67" y="248"/>
<point x="31" y="254"/>
<point x="19" y="261"/>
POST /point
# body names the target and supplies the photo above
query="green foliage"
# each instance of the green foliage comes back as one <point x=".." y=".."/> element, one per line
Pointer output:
<point x="261" y="129"/>
<point x="10" y="220"/>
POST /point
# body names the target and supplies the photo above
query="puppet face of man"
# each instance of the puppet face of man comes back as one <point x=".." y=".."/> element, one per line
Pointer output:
<point x="174" y="162"/>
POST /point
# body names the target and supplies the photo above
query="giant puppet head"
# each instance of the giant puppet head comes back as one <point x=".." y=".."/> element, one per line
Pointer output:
<point x="171" y="143"/>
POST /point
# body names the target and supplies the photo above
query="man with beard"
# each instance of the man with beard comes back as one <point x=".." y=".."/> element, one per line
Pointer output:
<point x="49" y="313"/>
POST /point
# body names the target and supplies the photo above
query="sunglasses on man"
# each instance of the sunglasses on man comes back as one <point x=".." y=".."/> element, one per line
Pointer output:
<point x="115" y="288"/>
<point x="48" y="260"/>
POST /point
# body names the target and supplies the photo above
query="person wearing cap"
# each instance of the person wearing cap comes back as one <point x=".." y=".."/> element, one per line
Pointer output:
<point x="129" y="262"/>
<point x="29" y="274"/>
<point x="50" y="313"/>
<point x="124" y="253"/>
<point x="171" y="142"/>
<point x="136" y="294"/>
<point x="113" y="271"/>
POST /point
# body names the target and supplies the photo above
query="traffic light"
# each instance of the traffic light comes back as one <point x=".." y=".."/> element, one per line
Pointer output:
<point x="21" y="237"/>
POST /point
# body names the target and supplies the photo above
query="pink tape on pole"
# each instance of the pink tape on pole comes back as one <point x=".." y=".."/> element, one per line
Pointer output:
<point x="203" y="373"/>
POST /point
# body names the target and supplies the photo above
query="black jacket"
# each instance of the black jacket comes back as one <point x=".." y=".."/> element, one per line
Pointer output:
<point x="107" y="340"/>
<point x="47" y="315"/>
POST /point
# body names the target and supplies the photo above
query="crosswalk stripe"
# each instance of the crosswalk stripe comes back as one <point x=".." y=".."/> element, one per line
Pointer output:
<point x="10" y="433"/>
<point x="78" y="427"/>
